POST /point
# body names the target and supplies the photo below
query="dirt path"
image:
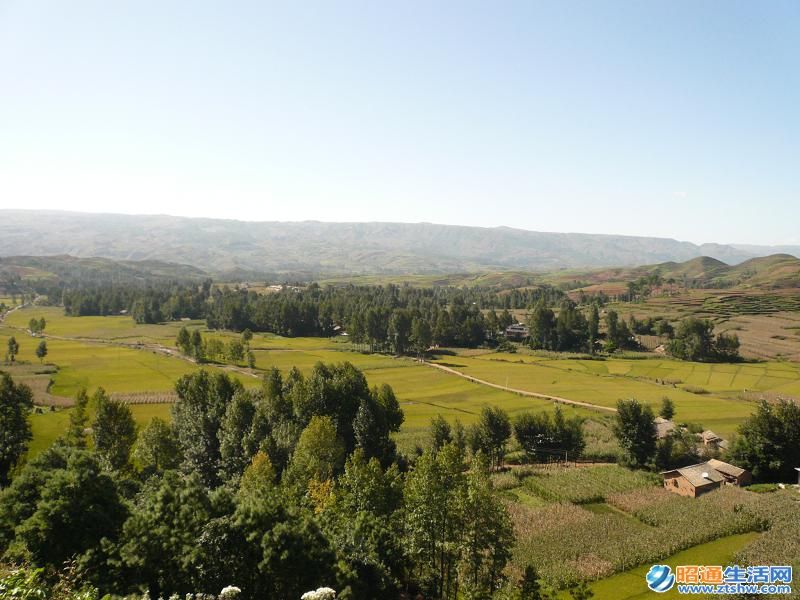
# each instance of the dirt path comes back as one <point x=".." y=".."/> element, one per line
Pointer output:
<point x="172" y="352"/>
<point x="519" y="392"/>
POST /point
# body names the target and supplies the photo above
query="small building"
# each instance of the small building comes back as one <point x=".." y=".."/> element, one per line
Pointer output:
<point x="663" y="427"/>
<point x="696" y="480"/>
<point x="693" y="481"/>
<point x="518" y="332"/>
<point x="712" y="440"/>
<point x="733" y="475"/>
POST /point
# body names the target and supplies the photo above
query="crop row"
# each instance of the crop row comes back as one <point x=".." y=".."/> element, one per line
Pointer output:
<point x="567" y="542"/>
<point x="585" y="484"/>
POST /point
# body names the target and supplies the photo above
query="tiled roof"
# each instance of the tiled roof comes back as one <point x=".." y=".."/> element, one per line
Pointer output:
<point x="695" y="474"/>
<point x="727" y="469"/>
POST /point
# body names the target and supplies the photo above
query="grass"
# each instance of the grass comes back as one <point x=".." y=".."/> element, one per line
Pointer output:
<point x="631" y="584"/>
<point x="49" y="425"/>
<point x="115" y="368"/>
<point x="423" y="392"/>
<point x="117" y="328"/>
<point x="604" y="382"/>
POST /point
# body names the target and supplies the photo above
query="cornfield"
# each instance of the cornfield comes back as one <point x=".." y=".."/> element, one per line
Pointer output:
<point x="586" y="484"/>
<point x="568" y="542"/>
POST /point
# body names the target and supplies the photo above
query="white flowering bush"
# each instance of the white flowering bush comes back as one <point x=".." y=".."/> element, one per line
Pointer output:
<point x="230" y="592"/>
<point x="323" y="593"/>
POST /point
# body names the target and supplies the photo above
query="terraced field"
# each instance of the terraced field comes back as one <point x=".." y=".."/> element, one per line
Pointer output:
<point x="767" y="322"/>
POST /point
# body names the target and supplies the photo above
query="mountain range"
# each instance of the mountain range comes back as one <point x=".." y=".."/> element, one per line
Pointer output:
<point x="313" y="249"/>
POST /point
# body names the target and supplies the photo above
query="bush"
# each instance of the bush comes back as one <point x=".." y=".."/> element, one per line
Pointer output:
<point x="763" y="488"/>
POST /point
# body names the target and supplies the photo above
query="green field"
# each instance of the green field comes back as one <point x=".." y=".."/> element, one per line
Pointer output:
<point x="604" y="382"/>
<point x="116" y="328"/>
<point x="631" y="585"/>
<point x="105" y="351"/>
<point x="83" y="362"/>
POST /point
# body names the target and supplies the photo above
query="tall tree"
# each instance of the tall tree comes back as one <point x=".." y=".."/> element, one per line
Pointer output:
<point x="542" y="327"/>
<point x="156" y="448"/>
<point x="635" y="430"/>
<point x="13" y="348"/>
<point x="71" y="504"/>
<point x="487" y="539"/>
<point x="667" y="410"/>
<point x="319" y="454"/>
<point x="441" y="433"/>
<point x="114" y="430"/>
<point x="769" y="442"/>
<point x="41" y="350"/>
<point x="494" y="431"/>
<point x="534" y="434"/>
<point x="184" y="341"/>
<point x="202" y="400"/>
<point x="435" y="521"/>
<point x="364" y="523"/>
<point x="399" y="330"/>
<point x="75" y="435"/>
<point x="197" y="346"/>
<point x="158" y="545"/>
<point x="16" y="402"/>
<point x="593" y="327"/>
<point x="421" y="335"/>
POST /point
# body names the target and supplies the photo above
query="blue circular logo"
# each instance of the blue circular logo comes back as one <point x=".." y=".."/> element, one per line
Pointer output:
<point x="660" y="578"/>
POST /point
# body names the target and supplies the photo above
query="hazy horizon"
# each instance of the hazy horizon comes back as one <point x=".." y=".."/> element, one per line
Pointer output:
<point x="732" y="244"/>
<point x="677" y="121"/>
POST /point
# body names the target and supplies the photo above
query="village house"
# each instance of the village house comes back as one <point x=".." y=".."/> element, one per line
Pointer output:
<point x="713" y="441"/>
<point x="696" y="480"/>
<point x="733" y="475"/>
<point x="518" y="331"/>
<point x="663" y="427"/>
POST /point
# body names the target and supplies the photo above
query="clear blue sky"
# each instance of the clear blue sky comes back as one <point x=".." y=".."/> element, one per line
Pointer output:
<point x="676" y="119"/>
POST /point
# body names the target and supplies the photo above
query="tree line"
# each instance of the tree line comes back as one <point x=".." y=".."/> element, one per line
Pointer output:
<point x="151" y="303"/>
<point x="767" y="444"/>
<point x="382" y="317"/>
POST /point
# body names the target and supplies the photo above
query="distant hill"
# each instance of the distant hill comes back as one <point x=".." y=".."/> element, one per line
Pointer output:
<point x="70" y="268"/>
<point x="313" y="249"/>
<point x="778" y="271"/>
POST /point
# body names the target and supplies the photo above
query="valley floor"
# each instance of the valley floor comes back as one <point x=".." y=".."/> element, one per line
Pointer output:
<point x="593" y="521"/>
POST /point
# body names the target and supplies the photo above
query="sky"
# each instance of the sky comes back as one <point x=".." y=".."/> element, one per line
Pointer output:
<point x="677" y="119"/>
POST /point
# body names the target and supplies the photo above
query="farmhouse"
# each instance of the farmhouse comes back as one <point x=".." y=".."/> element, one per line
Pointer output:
<point x="713" y="441"/>
<point x="518" y="331"/>
<point x="733" y="475"/>
<point x="663" y="427"/>
<point x="695" y="480"/>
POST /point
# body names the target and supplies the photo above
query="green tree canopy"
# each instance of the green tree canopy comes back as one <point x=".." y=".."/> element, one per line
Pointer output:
<point x="114" y="431"/>
<point x="16" y="402"/>
<point x="636" y="431"/>
<point x="768" y="443"/>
